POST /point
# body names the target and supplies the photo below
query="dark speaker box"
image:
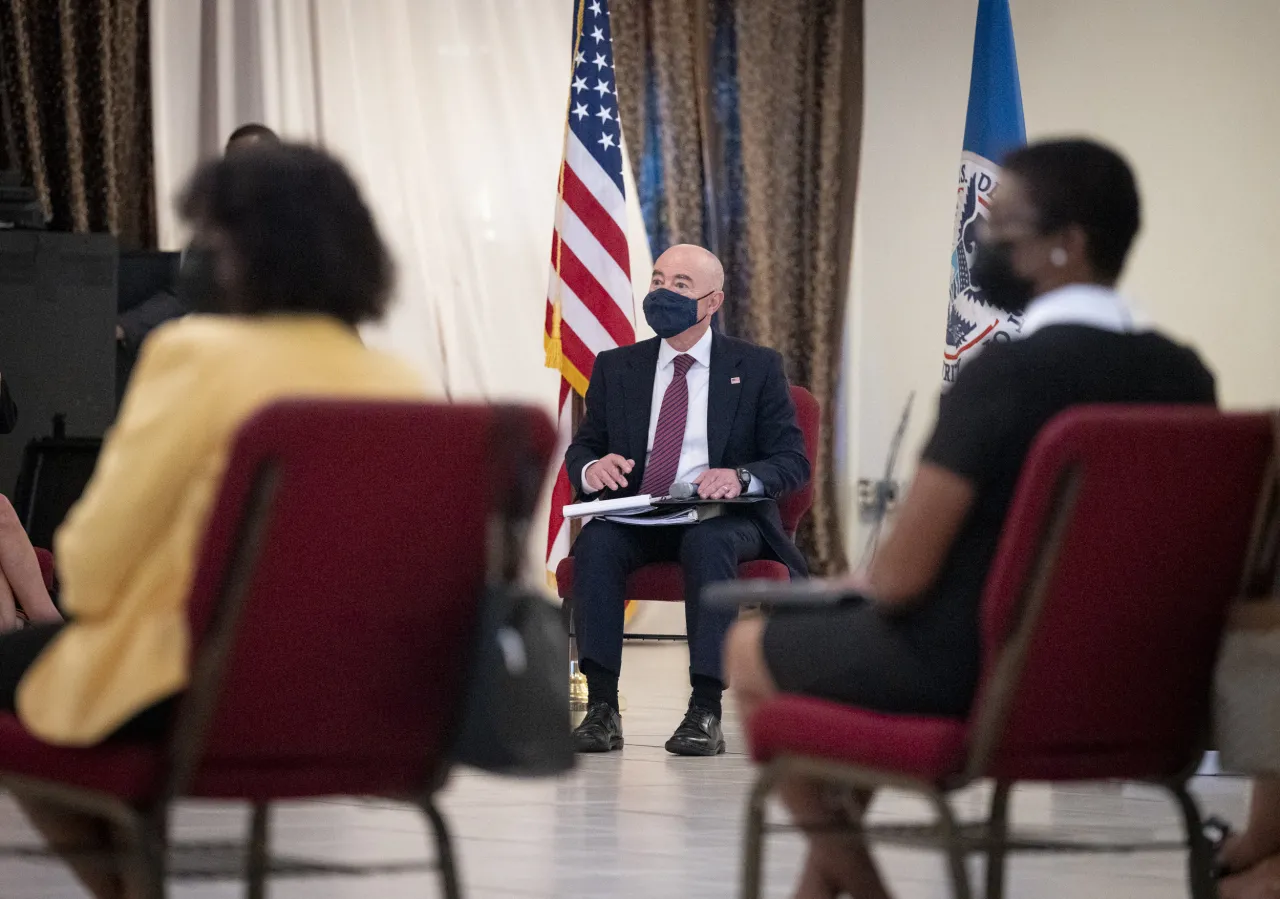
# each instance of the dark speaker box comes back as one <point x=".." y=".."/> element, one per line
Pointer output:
<point x="57" y="337"/>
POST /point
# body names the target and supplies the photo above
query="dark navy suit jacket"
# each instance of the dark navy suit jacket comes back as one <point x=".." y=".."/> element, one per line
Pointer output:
<point x="751" y="424"/>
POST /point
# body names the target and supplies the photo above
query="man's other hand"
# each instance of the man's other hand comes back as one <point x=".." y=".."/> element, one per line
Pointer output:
<point x="609" y="471"/>
<point x="718" y="483"/>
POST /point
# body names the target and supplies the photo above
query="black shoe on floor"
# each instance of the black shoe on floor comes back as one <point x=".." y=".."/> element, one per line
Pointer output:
<point x="600" y="731"/>
<point x="698" y="734"/>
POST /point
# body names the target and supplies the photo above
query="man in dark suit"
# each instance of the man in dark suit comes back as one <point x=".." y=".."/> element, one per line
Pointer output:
<point x="690" y="405"/>
<point x="165" y="305"/>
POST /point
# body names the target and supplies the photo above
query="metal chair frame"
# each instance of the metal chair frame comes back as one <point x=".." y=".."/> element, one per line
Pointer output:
<point x="990" y="837"/>
<point x="145" y="826"/>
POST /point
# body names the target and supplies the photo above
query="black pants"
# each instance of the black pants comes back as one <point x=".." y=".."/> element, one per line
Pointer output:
<point x="605" y="553"/>
<point x="18" y="651"/>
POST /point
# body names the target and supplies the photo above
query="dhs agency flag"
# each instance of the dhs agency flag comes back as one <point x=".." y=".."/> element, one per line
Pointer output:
<point x="993" y="127"/>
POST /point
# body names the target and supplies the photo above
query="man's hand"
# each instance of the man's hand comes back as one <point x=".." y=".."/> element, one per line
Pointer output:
<point x="609" y="471"/>
<point x="718" y="483"/>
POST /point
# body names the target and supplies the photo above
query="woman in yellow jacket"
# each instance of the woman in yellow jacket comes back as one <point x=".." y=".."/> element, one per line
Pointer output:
<point x="286" y="261"/>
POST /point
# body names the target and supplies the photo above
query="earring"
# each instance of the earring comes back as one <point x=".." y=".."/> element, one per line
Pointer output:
<point x="1058" y="256"/>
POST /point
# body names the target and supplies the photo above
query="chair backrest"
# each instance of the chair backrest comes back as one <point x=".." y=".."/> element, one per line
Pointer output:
<point x="794" y="506"/>
<point x="1107" y="599"/>
<point x="362" y="534"/>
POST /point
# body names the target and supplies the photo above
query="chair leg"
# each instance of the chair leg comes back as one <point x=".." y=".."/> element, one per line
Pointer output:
<point x="259" y="851"/>
<point x="1199" y="852"/>
<point x="146" y="868"/>
<point x="444" y="850"/>
<point x="566" y="618"/>
<point x="952" y="840"/>
<point x="753" y="839"/>
<point x="998" y="835"/>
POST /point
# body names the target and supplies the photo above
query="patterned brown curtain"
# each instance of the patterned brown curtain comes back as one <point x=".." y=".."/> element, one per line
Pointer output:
<point x="743" y="124"/>
<point x="75" y="108"/>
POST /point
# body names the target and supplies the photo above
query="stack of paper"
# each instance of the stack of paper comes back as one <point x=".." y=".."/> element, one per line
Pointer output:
<point x="641" y="510"/>
<point x="623" y="505"/>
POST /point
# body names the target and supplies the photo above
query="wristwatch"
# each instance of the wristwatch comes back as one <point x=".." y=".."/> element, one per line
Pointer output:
<point x="744" y="478"/>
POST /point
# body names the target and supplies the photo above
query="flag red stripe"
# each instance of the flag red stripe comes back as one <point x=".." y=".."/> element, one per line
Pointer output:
<point x="588" y="209"/>
<point x="594" y="297"/>
<point x="576" y="351"/>
<point x="561" y="495"/>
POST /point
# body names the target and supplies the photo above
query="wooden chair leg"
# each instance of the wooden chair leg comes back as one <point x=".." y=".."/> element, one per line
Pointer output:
<point x="444" y="850"/>
<point x="753" y="839"/>
<point x="998" y="835"/>
<point x="259" y="851"/>
<point x="1199" y="852"/>
<point x="952" y="841"/>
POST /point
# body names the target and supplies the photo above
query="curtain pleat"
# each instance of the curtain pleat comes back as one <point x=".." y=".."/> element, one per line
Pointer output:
<point x="75" y="90"/>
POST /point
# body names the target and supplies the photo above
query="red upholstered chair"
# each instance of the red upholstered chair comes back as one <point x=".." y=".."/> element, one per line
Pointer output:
<point x="1101" y="622"/>
<point x="664" y="581"/>
<point x="333" y="612"/>
<point x="45" y="558"/>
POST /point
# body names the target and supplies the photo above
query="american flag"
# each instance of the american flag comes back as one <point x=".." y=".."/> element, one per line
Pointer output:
<point x="590" y="307"/>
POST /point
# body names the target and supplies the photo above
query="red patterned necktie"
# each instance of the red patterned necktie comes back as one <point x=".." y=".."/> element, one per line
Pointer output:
<point x="668" y="440"/>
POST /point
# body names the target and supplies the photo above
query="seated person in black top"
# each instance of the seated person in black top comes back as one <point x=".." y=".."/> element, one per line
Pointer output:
<point x="1060" y="227"/>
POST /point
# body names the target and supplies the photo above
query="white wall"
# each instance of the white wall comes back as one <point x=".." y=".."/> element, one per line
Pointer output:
<point x="1187" y="89"/>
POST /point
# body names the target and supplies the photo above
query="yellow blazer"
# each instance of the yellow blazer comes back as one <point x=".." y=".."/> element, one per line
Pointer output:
<point x="127" y="550"/>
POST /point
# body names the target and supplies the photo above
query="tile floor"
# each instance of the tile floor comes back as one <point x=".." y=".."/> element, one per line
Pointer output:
<point x="638" y="824"/>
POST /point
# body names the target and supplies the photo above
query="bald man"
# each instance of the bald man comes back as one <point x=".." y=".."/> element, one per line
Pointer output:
<point x="688" y="406"/>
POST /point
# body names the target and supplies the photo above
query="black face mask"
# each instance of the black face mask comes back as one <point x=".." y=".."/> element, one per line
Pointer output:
<point x="670" y="313"/>
<point x="198" y="285"/>
<point x="993" y="271"/>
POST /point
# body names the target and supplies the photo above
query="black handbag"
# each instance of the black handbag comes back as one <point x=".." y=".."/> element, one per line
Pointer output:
<point x="516" y="714"/>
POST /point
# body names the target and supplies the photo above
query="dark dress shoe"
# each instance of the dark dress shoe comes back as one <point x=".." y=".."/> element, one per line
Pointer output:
<point x="698" y="734"/>
<point x="600" y="731"/>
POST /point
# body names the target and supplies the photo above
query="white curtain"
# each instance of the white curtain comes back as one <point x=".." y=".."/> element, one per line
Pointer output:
<point x="450" y="113"/>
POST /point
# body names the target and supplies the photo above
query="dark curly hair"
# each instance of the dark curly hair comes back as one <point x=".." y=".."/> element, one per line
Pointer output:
<point x="304" y="239"/>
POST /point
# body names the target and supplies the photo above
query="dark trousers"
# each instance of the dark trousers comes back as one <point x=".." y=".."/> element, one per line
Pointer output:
<point x="605" y="553"/>
<point x="19" y="650"/>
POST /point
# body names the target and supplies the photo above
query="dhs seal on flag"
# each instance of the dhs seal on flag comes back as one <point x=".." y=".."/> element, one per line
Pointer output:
<point x="993" y="126"/>
<point x="972" y="319"/>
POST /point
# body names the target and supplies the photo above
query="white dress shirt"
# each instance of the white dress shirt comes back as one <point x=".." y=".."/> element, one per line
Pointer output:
<point x="694" y="452"/>
<point x="1090" y="305"/>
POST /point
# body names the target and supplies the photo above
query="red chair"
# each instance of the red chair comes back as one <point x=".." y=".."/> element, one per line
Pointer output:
<point x="333" y="610"/>
<point x="1101" y="622"/>
<point x="664" y="581"/>
<point x="45" y="558"/>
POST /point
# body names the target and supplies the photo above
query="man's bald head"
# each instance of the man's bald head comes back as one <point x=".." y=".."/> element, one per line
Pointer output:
<point x="688" y="269"/>
<point x="692" y="272"/>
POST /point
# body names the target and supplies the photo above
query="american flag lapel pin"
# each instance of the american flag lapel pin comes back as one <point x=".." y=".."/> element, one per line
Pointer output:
<point x="735" y="380"/>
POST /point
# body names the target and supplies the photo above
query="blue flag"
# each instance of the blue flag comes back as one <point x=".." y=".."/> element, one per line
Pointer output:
<point x="993" y="127"/>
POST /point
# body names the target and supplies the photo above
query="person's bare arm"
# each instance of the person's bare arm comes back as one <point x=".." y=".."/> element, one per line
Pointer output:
<point x="913" y="553"/>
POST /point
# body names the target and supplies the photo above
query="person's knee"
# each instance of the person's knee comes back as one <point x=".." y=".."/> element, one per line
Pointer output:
<point x="8" y="516"/>
<point x="706" y="542"/>
<point x="599" y="540"/>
